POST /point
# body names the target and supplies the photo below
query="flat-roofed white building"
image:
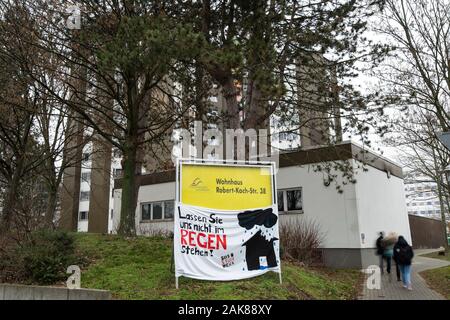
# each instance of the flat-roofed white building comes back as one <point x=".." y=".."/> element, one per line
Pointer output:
<point x="350" y="220"/>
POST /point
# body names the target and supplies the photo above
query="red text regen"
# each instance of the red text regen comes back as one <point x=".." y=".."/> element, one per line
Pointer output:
<point x="203" y="240"/>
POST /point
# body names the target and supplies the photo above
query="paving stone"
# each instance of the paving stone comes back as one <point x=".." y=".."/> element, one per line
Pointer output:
<point x="391" y="289"/>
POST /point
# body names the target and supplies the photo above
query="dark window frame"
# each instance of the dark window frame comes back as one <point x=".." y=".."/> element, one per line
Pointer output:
<point x="285" y="204"/>
<point x="80" y="216"/>
<point x="84" y="193"/>
<point x="88" y="174"/>
<point x="163" y="211"/>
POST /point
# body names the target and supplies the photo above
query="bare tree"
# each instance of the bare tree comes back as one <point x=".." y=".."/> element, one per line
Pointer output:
<point x="416" y="81"/>
<point x="33" y="123"/>
<point x="117" y="68"/>
<point x="414" y="135"/>
<point x="419" y="71"/>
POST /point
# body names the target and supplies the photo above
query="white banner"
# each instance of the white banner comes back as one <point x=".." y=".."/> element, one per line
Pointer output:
<point x="225" y="244"/>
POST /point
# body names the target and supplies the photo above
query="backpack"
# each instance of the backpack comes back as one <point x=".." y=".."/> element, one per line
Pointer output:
<point x="404" y="255"/>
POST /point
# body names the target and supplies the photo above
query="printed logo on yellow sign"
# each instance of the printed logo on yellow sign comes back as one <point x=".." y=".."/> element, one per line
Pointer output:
<point x="226" y="187"/>
<point x="198" y="185"/>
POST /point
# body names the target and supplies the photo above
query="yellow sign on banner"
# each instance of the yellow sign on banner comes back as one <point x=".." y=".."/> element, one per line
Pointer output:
<point x="226" y="187"/>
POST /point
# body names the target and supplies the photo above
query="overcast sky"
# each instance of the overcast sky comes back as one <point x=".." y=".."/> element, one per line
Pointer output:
<point x="367" y="83"/>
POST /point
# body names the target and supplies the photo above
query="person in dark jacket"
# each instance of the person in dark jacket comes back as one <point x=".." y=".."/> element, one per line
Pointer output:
<point x="403" y="255"/>
<point x="397" y="266"/>
<point x="380" y="250"/>
<point x="388" y="245"/>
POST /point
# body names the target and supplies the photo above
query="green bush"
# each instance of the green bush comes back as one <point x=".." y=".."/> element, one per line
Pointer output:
<point x="46" y="256"/>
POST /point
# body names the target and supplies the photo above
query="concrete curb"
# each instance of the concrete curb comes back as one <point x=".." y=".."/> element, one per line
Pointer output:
<point x="24" y="292"/>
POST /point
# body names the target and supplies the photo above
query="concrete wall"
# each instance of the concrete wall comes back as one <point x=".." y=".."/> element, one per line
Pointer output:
<point x="334" y="212"/>
<point x="22" y="292"/>
<point x="426" y="232"/>
<point x="349" y="257"/>
<point x="380" y="205"/>
<point x="82" y="225"/>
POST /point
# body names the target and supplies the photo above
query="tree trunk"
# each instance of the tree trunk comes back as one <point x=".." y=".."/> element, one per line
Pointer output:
<point x="230" y="93"/>
<point x="13" y="186"/>
<point x="129" y="193"/>
<point x="441" y="199"/>
<point x="8" y="207"/>
<point x="131" y="165"/>
<point x="444" y="221"/>
<point x="51" y="207"/>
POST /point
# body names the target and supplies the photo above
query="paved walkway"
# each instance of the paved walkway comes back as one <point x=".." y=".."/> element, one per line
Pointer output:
<point x="391" y="289"/>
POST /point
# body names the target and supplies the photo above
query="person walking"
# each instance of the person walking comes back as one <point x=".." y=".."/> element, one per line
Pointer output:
<point x="389" y="242"/>
<point x="380" y="250"/>
<point x="397" y="266"/>
<point x="403" y="253"/>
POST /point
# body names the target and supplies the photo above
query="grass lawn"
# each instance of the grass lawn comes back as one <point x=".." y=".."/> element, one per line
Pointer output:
<point x="435" y="255"/>
<point x="140" y="269"/>
<point x="438" y="279"/>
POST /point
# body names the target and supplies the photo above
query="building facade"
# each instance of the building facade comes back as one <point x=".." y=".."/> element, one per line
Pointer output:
<point x="86" y="186"/>
<point x="349" y="220"/>
<point x="422" y="199"/>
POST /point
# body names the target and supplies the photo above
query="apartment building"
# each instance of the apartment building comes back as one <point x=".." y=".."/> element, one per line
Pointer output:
<point x="421" y="197"/>
<point x="86" y="186"/>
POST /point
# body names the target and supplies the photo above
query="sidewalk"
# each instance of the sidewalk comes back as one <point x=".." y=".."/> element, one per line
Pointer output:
<point x="391" y="289"/>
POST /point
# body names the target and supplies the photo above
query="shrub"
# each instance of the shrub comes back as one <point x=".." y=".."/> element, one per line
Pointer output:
<point x="301" y="241"/>
<point x="46" y="255"/>
<point x="10" y="265"/>
<point x="155" y="232"/>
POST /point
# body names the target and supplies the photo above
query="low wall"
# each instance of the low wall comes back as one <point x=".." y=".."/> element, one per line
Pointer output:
<point x="426" y="232"/>
<point x="22" y="292"/>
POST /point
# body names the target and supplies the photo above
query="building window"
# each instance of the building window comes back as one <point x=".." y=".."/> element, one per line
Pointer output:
<point x="86" y="156"/>
<point x="290" y="200"/>
<point x="85" y="176"/>
<point x="161" y="210"/>
<point x="146" y="211"/>
<point x="83" y="215"/>
<point x="112" y="213"/>
<point x="117" y="153"/>
<point x="168" y="209"/>
<point x="280" y="200"/>
<point x="157" y="211"/>
<point x="84" y="196"/>
<point x="117" y="173"/>
<point x="294" y="200"/>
